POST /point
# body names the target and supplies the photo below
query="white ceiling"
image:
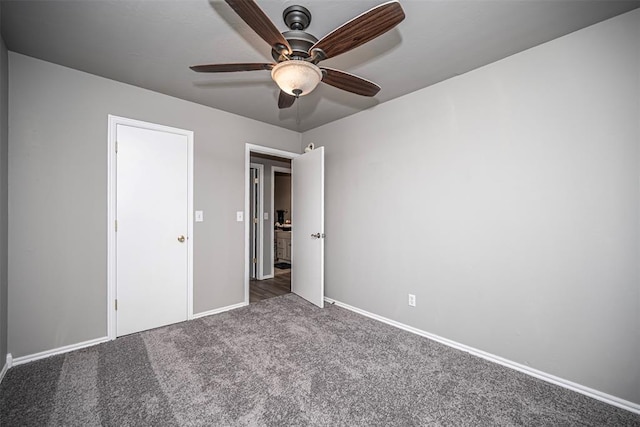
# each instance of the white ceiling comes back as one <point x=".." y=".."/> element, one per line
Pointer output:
<point x="152" y="43"/>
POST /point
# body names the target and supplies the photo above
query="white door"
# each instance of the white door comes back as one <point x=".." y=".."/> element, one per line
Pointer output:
<point x="152" y="224"/>
<point x="307" y="235"/>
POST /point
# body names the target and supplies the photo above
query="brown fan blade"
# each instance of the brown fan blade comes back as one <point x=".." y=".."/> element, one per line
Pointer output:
<point x="228" y="68"/>
<point x="359" y="30"/>
<point x="285" y="100"/>
<point x="349" y="82"/>
<point x="259" y="22"/>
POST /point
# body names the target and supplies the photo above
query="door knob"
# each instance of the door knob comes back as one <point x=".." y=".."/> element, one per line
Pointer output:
<point x="317" y="235"/>
<point x="181" y="239"/>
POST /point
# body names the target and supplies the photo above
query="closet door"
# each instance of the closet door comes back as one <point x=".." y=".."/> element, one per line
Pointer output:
<point x="152" y="214"/>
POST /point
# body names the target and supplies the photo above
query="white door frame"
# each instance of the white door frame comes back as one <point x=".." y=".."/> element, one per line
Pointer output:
<point x="260" y="227"/>
<point x="275" y="169"/>
<point x="114" y="121"/>
<point x="252" y="148"/>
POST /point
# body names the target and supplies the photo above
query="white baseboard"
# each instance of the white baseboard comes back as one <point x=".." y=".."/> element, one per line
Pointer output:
<point x="67" y="348"/>
<point x="604" y="397"/>
<point x="30" y="358"/>
<point x="267" y="276"/>
<point x="219" y="310"/>
<point x="6" y="366"/>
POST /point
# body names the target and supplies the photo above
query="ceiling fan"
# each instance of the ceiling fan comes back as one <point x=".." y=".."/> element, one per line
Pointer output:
<point x="297" y="52"/>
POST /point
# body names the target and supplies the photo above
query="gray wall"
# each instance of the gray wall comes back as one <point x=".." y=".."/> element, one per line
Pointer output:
<point x="267" y="254"/>
<point x="282" y="196"/>
<point x="58" y="199"/>
<point x="507" y="200"/>
<point x="4" y="143"/>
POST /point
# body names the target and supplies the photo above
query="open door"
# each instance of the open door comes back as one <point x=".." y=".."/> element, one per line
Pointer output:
<point x="307" y="237"/>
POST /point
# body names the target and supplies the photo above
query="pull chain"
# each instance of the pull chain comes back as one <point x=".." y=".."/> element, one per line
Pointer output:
<point x="297" y="93"/>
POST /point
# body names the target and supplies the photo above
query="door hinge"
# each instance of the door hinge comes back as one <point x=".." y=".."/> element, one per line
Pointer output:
<point x="116" y="146"/>
<point x="255" y="220"/>
<point x="255" y="260"/>
<point x="255" y="180"/>
<point x="116" y="225"/>
<point x="116" y="305"/>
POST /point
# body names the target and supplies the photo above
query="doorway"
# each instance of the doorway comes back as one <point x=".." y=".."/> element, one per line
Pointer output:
<point x="281" y="203"/>
<point x="270" y="210"/>
<point x="307" y="240"/>
<point x="150" y="190"/>
<point x="272" y="282"/>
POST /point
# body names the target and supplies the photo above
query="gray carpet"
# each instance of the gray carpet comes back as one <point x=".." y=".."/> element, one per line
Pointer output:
<point x="285" y="362"/>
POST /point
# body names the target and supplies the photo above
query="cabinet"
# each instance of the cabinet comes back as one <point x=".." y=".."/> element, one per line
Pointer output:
<point x="283" y="246"/>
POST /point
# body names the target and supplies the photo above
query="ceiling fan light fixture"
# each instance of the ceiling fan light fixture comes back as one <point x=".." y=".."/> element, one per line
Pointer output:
<point x="296" y="77"/>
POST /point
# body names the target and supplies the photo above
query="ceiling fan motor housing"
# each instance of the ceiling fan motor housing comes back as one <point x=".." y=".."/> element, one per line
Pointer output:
<point x="300" y="42"/>
<point x="297" y="19"/>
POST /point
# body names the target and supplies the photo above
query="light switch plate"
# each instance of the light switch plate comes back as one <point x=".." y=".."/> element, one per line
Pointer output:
<point x="199" y="216"/>
<point x="239" y="216"/>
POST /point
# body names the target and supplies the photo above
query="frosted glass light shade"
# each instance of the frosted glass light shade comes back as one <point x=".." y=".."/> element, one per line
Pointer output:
<point x="296" y="75"/>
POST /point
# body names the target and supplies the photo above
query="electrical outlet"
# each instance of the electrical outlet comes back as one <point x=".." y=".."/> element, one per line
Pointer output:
<point x="412" y="300"/>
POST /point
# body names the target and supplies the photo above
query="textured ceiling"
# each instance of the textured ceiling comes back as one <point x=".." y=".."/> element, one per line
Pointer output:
<point x="152" y="43"/>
